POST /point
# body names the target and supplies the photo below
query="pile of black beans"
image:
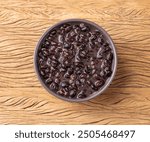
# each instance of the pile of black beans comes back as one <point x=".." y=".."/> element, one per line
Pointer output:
<point x="75" y="60"/>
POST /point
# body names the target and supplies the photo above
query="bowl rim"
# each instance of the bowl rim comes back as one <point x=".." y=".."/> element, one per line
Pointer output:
<point x="115" y="61"/>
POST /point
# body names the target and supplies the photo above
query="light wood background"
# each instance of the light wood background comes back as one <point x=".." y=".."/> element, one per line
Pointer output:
<point x="22" y="98"/>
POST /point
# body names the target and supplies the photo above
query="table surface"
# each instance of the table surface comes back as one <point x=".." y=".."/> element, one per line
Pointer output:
<point x="22" y="98"/>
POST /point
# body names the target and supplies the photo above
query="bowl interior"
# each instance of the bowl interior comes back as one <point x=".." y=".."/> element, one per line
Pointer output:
<point x="106" y="36"/>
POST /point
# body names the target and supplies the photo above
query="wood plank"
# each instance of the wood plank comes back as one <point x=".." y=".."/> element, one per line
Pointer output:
<point x="24" y="101"/>
<point x="115" y="106"/>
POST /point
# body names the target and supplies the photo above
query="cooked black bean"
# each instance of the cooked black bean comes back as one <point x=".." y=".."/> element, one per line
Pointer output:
<point x="70" y="71"/>
<point x="42" y="73"/>
<point x="81" y="95"/>
<point x="64" y="84"/>
<point x="60" y="38"/>
<point x="66" y="75"/>
<point x="57" y="80"/>
<point x="72" y="93"/>
<point x="99" y="83"/>
<point x="53" y="32"/>
<point x="82" y="80"/>
<point x="47" y="43"/>
<point x="78" y="82"/>
<point x="53" y="86"/>
<point x="67" y="45"/>
<point x="82" y="54"/>
<point x="48" y="80"/>
<point x="109" y="56"/>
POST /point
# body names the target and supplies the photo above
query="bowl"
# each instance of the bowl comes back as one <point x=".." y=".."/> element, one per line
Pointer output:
<point x="42" y="42"/>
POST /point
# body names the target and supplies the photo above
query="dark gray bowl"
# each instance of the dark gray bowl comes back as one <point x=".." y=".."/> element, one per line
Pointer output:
<point x="114" y="64"/>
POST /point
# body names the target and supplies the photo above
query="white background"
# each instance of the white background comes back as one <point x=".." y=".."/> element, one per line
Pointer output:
<point x="7" y="132"/>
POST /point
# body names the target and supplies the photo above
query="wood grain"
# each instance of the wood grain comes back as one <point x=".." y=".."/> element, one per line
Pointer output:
<point x="24" y="101"/>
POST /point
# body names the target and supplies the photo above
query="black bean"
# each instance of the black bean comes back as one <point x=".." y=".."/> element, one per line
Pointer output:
<point x="93" y="37"/>
<point x="93" y="71"/>
<point x="65" y="25"/>
<point x="47" y="43"/>
<point x="72" y="33"/>
<point x="53" y="57"/>
<point x="60" y="92"/>
<point x="93" y="66"/>
<point x="89" y="82"/>
<point x="102" y="73"/>
<point x="62" y="69"/>
<point x="99" y="83"/>
<point x="75" y="26"/>
<point x="65" y="54"/>
<point x="99" y="40"/>
<point x="58" y="50"/>
<point x="60" y="39"/>
<point x="92" y="63"/>
<point x="73" y="76"/>
<point x="79" y="64"/>
<point x="109" y="56"/>
<point x="72" y="39"/>
<point x="53" y="86"/>
<point x="41" y="55"/>
<point x="78" y="82"/>
<point x="81" y="95"/>
<point x="82" y="80"/>
<point x="42" y="73"/>
<point x="97" y="32"/>
<point x="82" y="54"/>
<point x="108" y="72"/>
<point x="70" y="71"/>
<point x="74" y="85"/>
<point x="61" y="27"/>
<point x="78" y="72"/>
<point x="72" y="93"/>
<point x="57" y="80"/>
<point x="84" y="29"/>
<point x="52" y="69"/>
<point x="81" y="39"/>
<point x="66" y="63"/>
<point x="88" y="34"/>
<point x="100" y="53"/>
<point x="54" y="63"/>
<point x="63" y="92"/>
<point x="106" y="44"/>
<point x="53" y="32"/>
<point x="68" y="29"/>
<point x="82" y="25"/>
<point x="52" y="48"/>
<point x="64" y="84"/>
<point x="104" y="64"/>
<point x="96" y="76"/>
<point x="87" y="69"/>
<point x="77" y="37"/>
<point x="48" y="80"/>
<point x="67" y="45"/>
<point x="57" y="74"/>
<point x="94" y="87"/>
<point x="66" y="75"/>
<point x="53" y="43"/>
<point x="77" y="30"/>
<point x="47" y="70"/>
<point x="41" y="61"/>
<point x="49" y="38"/>
<point x="71" y="81"/>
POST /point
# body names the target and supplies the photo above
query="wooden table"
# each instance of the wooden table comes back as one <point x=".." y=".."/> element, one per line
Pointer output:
<point x="22" y="98"/>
